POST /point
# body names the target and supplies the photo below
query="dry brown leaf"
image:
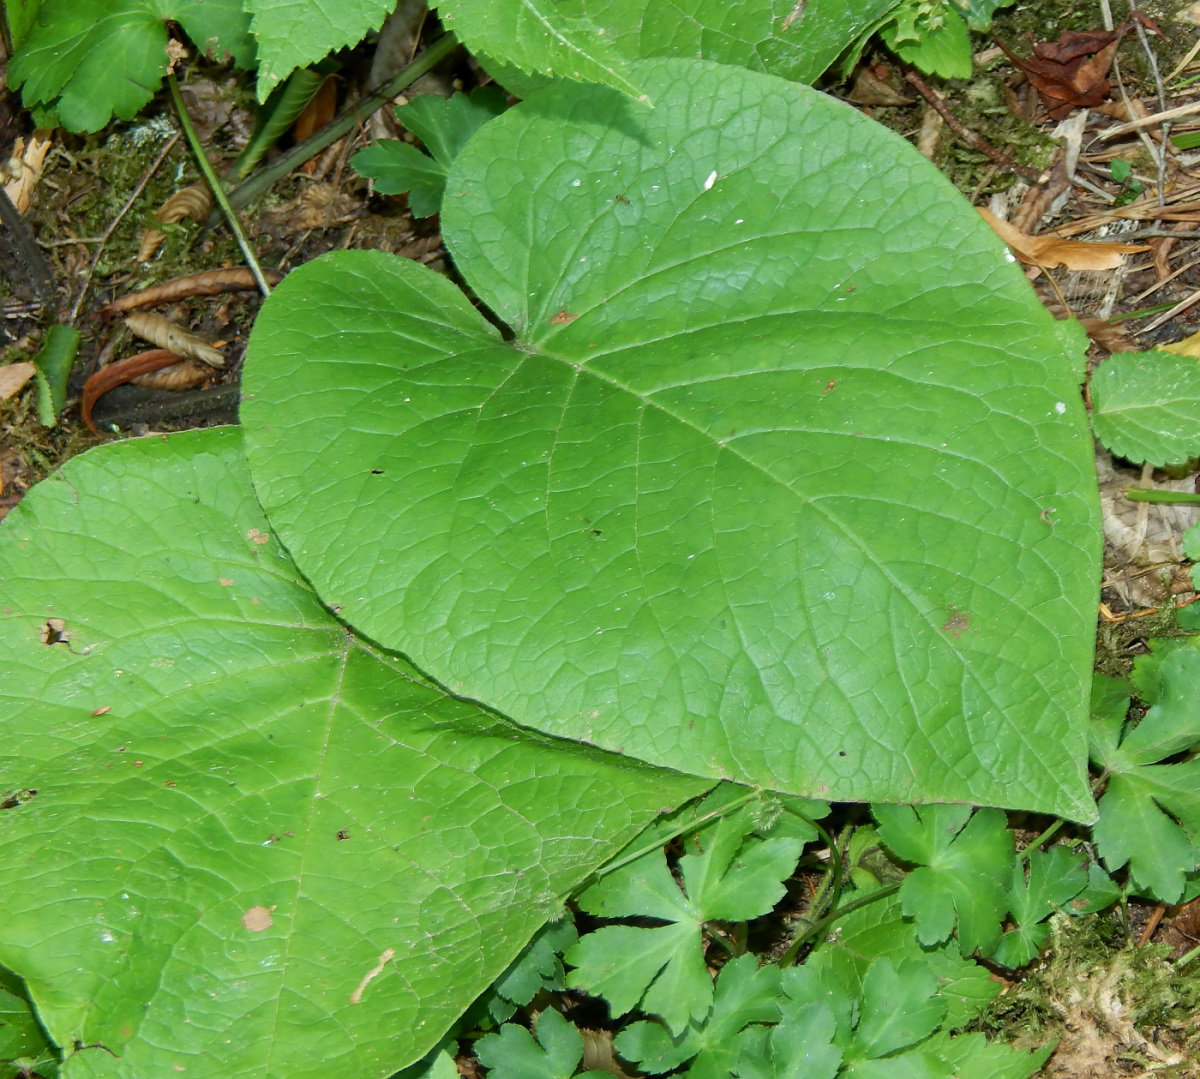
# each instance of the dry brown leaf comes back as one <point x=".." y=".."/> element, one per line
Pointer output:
<point x="180" y="376"/>
<point x="194" y="202"/>
<point x="256" y="919"/>
<point x="13" y="378"/>
<point x="166" y="335"/>
<point x="1109" y="336"/>
<point x="318" y="112"/>
<point x="25" y="168"/>
<point x="1072" y="72"/>
<point x="321" y="206"/>
<point x="1049" y="251"/>
<point x="150" y="242"/>
<point x="205" y="283"/>
<point x="117" y="374"/>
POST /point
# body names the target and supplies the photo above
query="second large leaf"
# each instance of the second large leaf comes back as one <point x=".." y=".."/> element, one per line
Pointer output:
<point x="782" y="474"/>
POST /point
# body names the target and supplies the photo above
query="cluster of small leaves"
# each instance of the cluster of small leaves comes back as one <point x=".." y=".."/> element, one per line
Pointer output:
<point x="934" y="35"/>
<point x="883" y="994"/>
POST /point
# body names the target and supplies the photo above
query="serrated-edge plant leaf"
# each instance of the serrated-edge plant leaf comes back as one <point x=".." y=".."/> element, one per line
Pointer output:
<point x="900" y="1008"/>
<point x="292" y="35"/>
<point x="97" y="58"/>
<point x="512" y="1053"/>
<point x="1146" y="406"/>
<point x="398" y="169"/>
<point x="630" y="528"/>
<point x="536" y="36"/>
<point x="1055" y="877"/>
<point x="253" y="835"/>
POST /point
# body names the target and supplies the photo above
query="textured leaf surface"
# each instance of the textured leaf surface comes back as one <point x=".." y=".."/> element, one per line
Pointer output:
<point x="780" y="37"/>
<point x="257" y="848"/>
<point x="538" y="36"/>
<point x="293" y="33"/>
<point x="104" y="57"/>
<point x="1056" y="876"/>
<point x="1146" y="406"/>
<point x="762" y="488"/>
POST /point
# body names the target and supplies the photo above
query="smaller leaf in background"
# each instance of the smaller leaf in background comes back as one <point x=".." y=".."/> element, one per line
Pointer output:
<point x="20" y="1033"/>
<point x="979" y="12"/>
<point x="52" y="366"/>
<point x="1050" y="251"/>
<point x="1056" y="876"/>
<point x="538" y="967"/>
<point x="963" y="867"/>
<point x="971" y="1056"/>
<point x="932" y="37"/>
<point x="1146" y="406"/>
<point x="1150" y="812"/>
<point x="800" y="1047"/>
<point x="444" y="125"/>
<point x="97" y="58"/>
<point x="514" y="1054"/>
<point x="744" y="993"/>
<point x="732" y="878"/>
<point x="1110" y="698"/>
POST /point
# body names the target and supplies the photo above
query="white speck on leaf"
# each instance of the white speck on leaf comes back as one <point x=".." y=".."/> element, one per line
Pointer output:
<point x="1060" y="407"/>
<point x="712" y="179"/>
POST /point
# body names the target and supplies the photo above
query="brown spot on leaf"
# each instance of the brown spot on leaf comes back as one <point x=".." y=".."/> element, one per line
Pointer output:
<point x="54" y="631"/>
<point x="256" y="919"/>
<point x="562" y="318"/>
<point x="225" y="581"/>
<point x="957" y="624"/>
<point x="255" y="536"/>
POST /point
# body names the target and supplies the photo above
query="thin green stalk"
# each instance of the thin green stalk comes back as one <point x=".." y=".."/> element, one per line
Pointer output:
<point x="1187" y="957"/>
<point x="1143" y="494"/>
<point x="829" y="891"/>
<point x="817" y="930"/>
<point x="340" y="125"/>
<point x="663" y="840"/>
<point x="215" y="184"/>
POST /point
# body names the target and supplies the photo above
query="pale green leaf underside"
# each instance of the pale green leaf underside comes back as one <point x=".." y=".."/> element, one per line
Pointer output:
<point x="786" y="478"/>
<point x="791" y="39"/>
<point x="255" y="756"/>
<point x="1146" y="406"/>
<point x="106" y="57"/>
<point x="292" y="33"/>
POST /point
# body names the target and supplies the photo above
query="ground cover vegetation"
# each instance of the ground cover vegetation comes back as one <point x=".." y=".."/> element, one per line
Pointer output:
<point x="652" y="630"/>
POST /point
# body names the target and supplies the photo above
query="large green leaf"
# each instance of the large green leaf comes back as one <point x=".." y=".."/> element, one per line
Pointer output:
<point x="94" y="58"/>
<point x="781" y="37"/>
<point x="257" y="847"/>
<point x="784" y="476"/>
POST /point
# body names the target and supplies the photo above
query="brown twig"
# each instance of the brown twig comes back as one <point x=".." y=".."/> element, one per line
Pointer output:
<point x="976" y="142"/>
<point x="207" y="283"/>
<point x="117" y="374"/>
<point x="137" y="193"/>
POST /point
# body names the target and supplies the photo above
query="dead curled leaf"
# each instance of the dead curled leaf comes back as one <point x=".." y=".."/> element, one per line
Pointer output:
<point x="117" y="374"/>
<point x="206" y="283"/>
<point x="1073" y="71"/>
<point x="193" y="202"/>
<point x="1048" y="251"/>
<point x="165" y="334"/>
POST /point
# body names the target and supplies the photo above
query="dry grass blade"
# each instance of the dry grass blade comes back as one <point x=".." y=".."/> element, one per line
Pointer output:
<point x="208" y="283"/>
<point x="1049" y="251"/>
<point x="166" y="335"/>
<point x="117" y="374"/>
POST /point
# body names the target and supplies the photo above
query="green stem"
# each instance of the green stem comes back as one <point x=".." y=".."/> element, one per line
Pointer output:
<point x="662" y="840"/>
<point x="1049" y="833"/>
<point x="1187" y="957"/>
<point x="1143" y="494"/>
<point x="218" y="191"/>
<point x="340" y="125"/>
<point x="880" y="893"/>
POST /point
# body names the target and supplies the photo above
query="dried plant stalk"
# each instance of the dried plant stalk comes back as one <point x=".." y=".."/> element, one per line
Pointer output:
<point x="208" y="283"/>
<point x="165" y="334"/>
<point x="117" y="374"/>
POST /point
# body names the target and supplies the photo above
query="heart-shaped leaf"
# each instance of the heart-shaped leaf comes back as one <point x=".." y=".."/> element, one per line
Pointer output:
<point x="783" y="477"/>
<point x="237" y="841"/>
